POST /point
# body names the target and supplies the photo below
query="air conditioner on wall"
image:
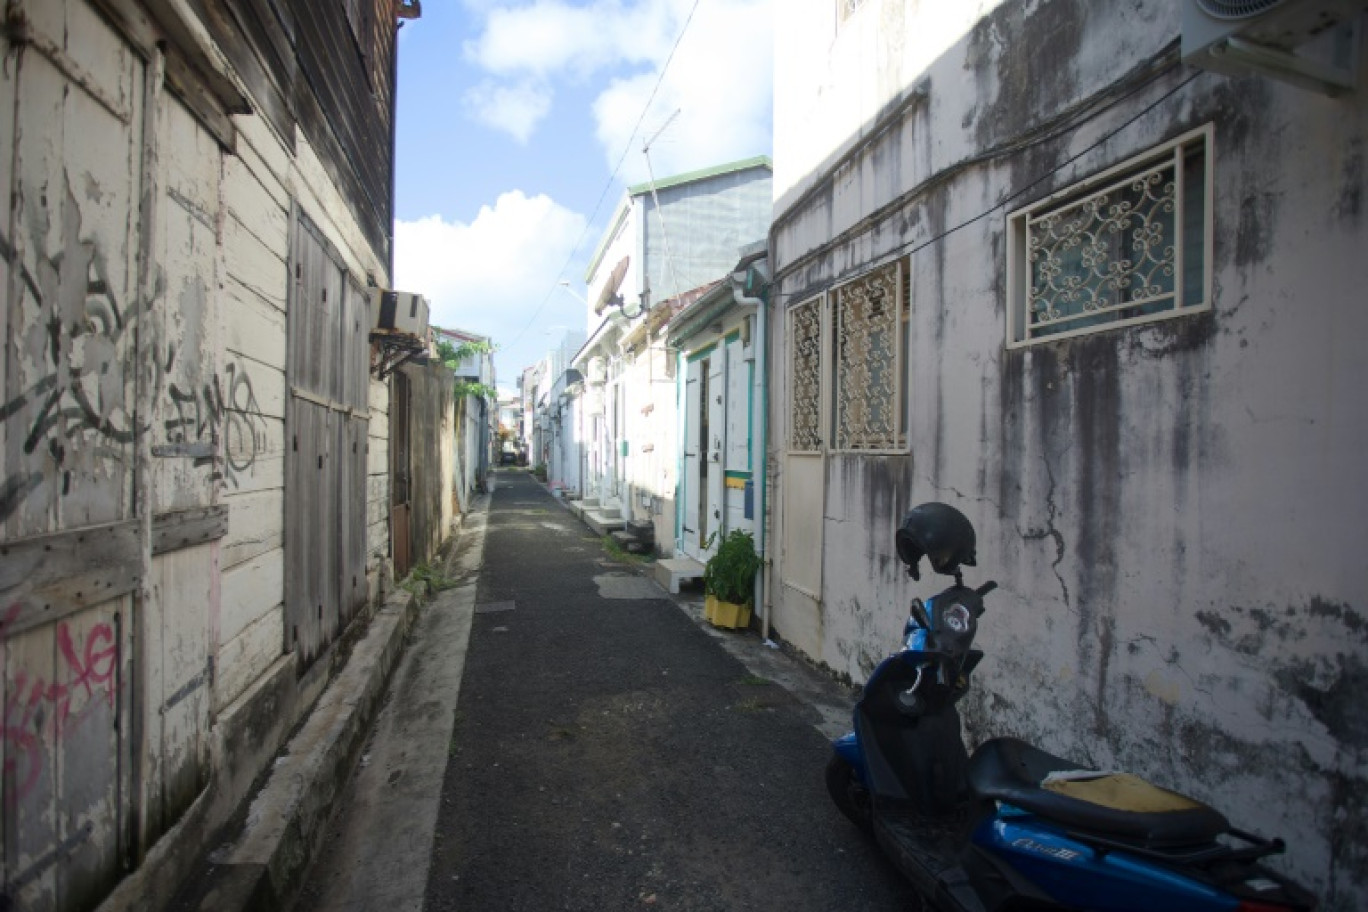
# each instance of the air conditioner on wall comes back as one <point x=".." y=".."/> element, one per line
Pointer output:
<point x="1310" y="43"/>
<point x="398" y="311"/>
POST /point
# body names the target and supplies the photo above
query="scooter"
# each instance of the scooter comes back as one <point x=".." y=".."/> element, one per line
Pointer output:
<point x="1014" y="827"/>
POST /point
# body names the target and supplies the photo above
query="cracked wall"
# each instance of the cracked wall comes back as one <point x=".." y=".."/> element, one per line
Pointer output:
<point x="1173" y="511"/>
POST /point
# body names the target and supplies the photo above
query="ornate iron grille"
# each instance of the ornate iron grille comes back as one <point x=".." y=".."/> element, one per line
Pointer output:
<point x="805" y="412"/>
<point x="868" y="324"/>
<point x="1111" y="255"/>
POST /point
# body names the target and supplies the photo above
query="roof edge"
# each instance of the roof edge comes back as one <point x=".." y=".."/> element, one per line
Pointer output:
<point x="745" y="164"/>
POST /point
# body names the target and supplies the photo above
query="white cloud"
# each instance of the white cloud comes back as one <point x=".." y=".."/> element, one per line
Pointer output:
<point x="493" y="275"/>
<point x="552" y="36"/>
<point x="514" y="109"/>
<point x="720" y="81"/>
<point x="720" y="78"/>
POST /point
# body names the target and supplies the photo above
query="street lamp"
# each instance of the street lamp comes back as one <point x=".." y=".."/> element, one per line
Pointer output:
<point x="565" y="283"/>
<point x="630" y="311"/>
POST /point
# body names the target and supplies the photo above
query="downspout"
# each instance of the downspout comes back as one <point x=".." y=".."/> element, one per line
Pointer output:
<point x="681" y="406"/>
<point x="762" y="368"/>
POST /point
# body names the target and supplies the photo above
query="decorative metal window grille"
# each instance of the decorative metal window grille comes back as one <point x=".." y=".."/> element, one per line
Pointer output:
<point x="1132" y="245"/>
<point x="869" y="323"/>
<point x="805" y="373"/>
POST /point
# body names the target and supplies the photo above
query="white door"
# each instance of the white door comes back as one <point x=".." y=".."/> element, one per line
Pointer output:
<point x="713" y="527"/>
<point x="693" y="390"/>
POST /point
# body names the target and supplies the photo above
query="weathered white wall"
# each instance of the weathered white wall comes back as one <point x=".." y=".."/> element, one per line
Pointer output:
<point x="1171" y="511"/>
<point x="650" y="469"/>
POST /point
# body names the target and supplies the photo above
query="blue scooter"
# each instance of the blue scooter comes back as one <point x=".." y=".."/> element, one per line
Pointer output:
<point x="1014" y="827"/>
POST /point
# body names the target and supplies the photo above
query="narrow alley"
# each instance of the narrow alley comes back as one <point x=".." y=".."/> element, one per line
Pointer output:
<point x="606" y="751"/>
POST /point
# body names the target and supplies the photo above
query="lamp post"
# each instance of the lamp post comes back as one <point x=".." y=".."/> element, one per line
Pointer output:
<point x="565" y="283"/>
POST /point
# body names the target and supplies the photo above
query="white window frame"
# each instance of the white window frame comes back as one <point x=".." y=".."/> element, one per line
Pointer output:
<point x="1018" y="260"/>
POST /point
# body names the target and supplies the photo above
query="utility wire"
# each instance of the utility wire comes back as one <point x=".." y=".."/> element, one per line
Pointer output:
<point x="913" y="247"/>
<point x="612" y="178"/>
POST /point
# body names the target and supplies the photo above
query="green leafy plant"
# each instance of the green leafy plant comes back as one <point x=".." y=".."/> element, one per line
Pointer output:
<point x="539" y="470"/>
<point x="616" y="552"/>
<point x="453" y="356"/>
<point x="729" y="574"/>
<point x="424" y="579"/>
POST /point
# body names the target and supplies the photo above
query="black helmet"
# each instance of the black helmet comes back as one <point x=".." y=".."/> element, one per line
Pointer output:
<point x="941" y="533"/>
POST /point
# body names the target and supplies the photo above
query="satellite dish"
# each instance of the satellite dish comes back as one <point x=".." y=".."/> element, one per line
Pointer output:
<point x="609" y="296"/>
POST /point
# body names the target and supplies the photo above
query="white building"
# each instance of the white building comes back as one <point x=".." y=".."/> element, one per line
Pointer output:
<point x="1031" y="263"/>
<point x="666" y="244"/>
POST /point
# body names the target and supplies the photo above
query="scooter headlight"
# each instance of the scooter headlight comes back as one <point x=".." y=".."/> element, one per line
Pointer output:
<point x="957" y="619"/>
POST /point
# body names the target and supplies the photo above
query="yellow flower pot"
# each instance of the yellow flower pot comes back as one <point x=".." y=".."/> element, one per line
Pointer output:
<point x="726" y="614"/>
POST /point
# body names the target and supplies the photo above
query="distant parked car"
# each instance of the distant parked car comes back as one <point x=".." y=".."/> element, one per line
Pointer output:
<point x="508" y="457"/>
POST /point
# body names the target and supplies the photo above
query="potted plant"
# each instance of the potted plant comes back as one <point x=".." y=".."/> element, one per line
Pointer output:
<point x="729" y="580"/>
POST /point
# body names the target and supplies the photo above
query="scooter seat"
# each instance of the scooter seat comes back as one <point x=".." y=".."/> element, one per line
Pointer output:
<point x="1012" y="771"/>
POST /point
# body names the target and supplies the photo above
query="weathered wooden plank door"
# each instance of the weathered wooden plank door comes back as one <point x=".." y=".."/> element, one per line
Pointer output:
<point x="326" y="421"/>
<point x="71" y="552"/>
<point x="401" y="533"/>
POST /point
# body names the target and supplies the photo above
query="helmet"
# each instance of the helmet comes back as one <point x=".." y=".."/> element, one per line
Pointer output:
<point x="941" y="533"/>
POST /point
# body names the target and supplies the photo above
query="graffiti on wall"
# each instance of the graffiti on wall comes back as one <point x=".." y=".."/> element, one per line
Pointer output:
<point x="39" y="711"/>
<point x="81" y="411"/>
<point x="218" y="426"/>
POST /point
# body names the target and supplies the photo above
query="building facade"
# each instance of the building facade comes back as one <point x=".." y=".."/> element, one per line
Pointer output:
<point x="667" y="243"/>
<point x="1030" y="262"/>
<point x="193" y="452"/>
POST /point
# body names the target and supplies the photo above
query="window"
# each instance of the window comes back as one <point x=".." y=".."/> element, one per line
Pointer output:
<point x="1131" y="245"/>
<point x="848" y="354"/>
<point x="805" y="377"/>
<point x="869" y="318"/>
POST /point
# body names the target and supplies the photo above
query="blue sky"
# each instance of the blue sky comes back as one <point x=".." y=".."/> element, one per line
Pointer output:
<point x="512" y="117"/>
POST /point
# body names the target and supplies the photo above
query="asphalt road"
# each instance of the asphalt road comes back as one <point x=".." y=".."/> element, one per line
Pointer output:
<point x="610" y="754"/>
<point x="606" y="752"/>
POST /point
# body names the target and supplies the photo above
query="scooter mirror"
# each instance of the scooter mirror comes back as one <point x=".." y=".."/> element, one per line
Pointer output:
<point x="917" y="610"/>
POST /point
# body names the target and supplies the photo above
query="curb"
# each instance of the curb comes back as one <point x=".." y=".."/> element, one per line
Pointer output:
<point x="263" y="868"/>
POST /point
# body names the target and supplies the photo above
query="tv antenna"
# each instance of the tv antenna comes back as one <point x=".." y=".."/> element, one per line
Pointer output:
<point x="655" y="198"/>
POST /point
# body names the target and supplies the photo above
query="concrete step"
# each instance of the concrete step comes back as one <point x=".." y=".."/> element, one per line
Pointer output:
<point x="601" y="524"/>
<point x="631" y="543"/>
<point x="671" y="572"/>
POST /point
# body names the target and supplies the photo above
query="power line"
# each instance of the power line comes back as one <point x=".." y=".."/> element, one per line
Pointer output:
<point x="912" y="247"/>
<point x="612" y="178"/>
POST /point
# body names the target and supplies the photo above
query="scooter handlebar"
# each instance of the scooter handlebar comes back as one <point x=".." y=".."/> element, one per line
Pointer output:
<point x="986" y="588"/>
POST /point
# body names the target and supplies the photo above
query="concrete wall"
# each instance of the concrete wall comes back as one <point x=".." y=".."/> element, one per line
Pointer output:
<point x="1172" y="511"/>
<point x="144" y="281"/>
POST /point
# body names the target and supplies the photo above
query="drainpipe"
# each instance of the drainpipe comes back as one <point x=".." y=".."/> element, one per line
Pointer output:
<point x="761" y="411"/>
<point x="681" y="400"/>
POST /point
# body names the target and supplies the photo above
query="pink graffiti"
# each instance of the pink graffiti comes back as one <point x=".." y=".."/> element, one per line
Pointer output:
<point x="34" y="706"/>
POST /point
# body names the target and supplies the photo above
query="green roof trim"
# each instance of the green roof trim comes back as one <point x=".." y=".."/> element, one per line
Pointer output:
<point x="619" y="216"/>
<point x="759" y="161"/>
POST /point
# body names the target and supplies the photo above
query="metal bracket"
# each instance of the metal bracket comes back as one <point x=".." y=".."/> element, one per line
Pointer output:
<point x="396" y="350"/>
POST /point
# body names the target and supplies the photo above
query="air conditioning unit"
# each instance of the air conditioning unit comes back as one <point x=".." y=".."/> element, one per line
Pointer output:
<point x="1311" y="43"/>
<point x="399" y="311"/>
